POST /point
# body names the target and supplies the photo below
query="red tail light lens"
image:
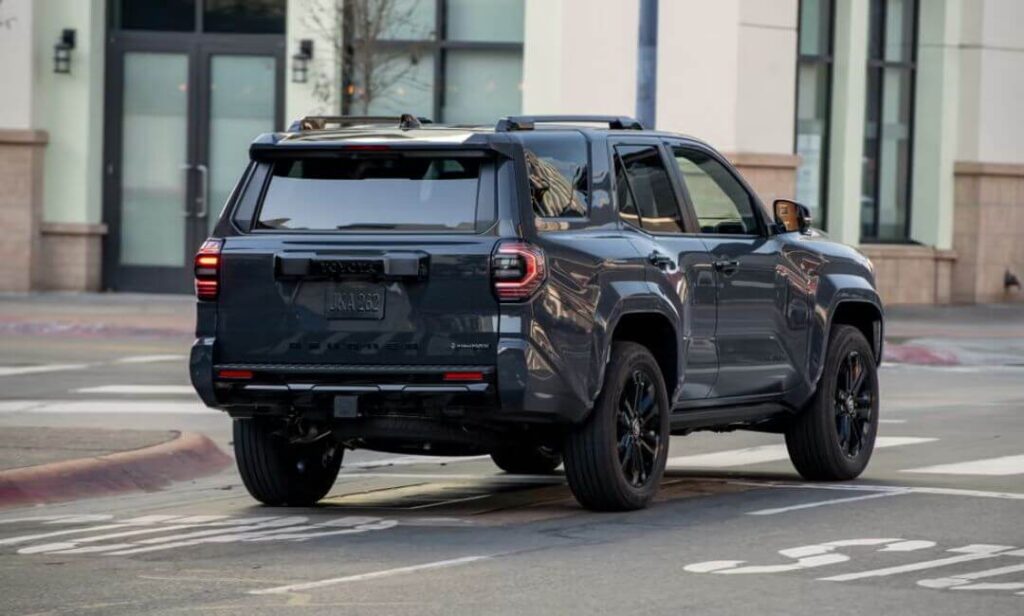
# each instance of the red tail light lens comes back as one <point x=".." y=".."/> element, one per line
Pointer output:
<point x="518" y="269"/>
<point x="208" y="269"/>
<point x="463" y="376"/>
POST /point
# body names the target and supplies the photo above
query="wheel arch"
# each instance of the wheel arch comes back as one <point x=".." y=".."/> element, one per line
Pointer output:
<point x="655" y="331"/>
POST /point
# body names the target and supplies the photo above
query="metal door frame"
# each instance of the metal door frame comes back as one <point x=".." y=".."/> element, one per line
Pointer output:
<point x="198" y="48"/>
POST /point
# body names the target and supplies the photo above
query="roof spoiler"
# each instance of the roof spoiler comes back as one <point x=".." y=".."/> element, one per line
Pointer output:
<point x="514" y="123"/>
<point x="405" y="121"/>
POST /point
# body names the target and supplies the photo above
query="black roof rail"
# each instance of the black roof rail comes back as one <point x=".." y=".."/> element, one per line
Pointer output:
<point x="512" y="123"/>
<point x="405" y="121"/>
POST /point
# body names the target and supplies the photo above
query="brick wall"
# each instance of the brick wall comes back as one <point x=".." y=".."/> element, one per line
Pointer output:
<point x="21" y="207"/>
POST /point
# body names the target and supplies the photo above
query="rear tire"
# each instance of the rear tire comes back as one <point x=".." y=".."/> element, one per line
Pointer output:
<point x="834" y="436"/>
<point x="615" y="460"/>
<point x="527" y="460"/>
<point x="277" y="472"/>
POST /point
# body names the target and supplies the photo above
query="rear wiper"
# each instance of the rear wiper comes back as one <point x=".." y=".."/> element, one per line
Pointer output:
<point x="366" y="225"/>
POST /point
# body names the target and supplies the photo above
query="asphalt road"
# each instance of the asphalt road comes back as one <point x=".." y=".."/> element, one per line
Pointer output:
<point x="933" y="527"/>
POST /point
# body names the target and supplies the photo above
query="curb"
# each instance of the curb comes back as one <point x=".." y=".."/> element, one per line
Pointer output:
<point x="187" y="456"/>
<point x="918" y="355"/>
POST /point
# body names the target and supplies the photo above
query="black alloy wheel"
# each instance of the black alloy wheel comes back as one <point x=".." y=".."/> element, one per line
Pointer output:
<point x="638" y="430"/>
<point x="853" y="404"/>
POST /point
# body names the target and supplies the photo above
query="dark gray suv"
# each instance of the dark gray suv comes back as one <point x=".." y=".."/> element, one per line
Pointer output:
<point x="551" y="289"/>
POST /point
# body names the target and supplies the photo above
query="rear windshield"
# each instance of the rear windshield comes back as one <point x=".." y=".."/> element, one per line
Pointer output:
<point x="372" y="193"/>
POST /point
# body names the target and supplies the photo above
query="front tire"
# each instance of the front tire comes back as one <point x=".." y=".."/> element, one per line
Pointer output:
<point x="833" y="438"/>
<point x="615" y="461"/>
<point x="277" y="472"/>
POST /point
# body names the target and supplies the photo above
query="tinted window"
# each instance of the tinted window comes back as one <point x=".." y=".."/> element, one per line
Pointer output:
<point x="377" y="194"/>
<point x="178" y="15"/>
<point x="720" y="201"/>
<point x="557" y="166"/>
<point x="649" y="191"/>
<point x="252" y="16"/>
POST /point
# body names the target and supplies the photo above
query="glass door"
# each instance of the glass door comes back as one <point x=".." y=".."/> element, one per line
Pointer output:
<point x="177" y="140"/>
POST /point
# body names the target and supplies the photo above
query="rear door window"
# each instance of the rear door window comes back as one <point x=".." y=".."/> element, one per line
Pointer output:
<point x="372" y="193"/>
<point x="644" y="189"/>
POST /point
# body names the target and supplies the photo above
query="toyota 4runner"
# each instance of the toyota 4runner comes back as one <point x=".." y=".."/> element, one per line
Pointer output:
<point x="556" y="289"/>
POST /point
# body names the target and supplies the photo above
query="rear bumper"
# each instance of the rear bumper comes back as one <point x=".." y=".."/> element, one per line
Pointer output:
<point x="508" y="392"/>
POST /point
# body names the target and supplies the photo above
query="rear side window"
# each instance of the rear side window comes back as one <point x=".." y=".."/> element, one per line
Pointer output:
<point x="372" y="193"/>
<point x="559" y="181"/>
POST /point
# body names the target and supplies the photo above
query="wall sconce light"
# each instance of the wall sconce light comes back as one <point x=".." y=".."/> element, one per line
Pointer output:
<point x="300" y="61"/>
<point x="62" y="52"/>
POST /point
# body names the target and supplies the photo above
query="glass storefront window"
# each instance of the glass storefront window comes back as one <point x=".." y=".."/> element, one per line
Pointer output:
<point x="888" y="122"/>
<point x="245" y="16"/>
<point x="814" y="86"/>
<point x="490" y="21"/>
<point x="468" y="72"/>
<point x="481" y="86"/>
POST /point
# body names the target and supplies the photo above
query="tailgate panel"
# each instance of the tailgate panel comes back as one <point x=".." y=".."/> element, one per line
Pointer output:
<point x="356" y="300"/>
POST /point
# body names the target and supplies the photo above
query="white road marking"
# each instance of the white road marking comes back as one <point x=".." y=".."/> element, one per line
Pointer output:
<point x="1005" y="465"/>
<point x="892" y="421"/>
<point x="96" y="407"/>
<point x="149" y="359"/>
<point x="808" y="556"/>
<point x="877" y="488"/>
<point x="141" y="390"/>
<point x="967" y="553"/>
<point x="965" y="578"/>
<point x="18" y="370"/>
<point x="773" y="453"/>
<point x="290" y="588"/>
<point x="825" y="503"/>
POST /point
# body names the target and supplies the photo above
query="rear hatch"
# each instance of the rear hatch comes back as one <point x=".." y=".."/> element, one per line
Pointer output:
<point x="363" y="257"/>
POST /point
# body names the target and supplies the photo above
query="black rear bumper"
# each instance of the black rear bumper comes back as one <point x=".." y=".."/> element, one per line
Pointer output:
<point x="331" y="391"/>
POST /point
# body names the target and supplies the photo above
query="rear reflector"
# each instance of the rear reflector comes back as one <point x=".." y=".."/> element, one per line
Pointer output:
<point x="207" y="269"/>
<point x="463" y="376"/>
<point x="240" y="375"/>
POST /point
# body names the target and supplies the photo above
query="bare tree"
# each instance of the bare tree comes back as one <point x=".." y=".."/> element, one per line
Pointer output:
<point x="367" y="61"/>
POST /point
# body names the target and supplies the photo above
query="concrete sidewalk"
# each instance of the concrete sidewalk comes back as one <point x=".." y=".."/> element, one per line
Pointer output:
<point x="977" y="335"/>
<point x="29" y="446"/>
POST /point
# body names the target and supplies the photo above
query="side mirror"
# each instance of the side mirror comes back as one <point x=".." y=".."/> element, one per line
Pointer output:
<point x="792" y="216"/>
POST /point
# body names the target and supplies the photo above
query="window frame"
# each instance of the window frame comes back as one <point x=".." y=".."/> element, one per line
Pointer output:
<point x="828" y="62"/>
<point x="758" y="207"/>
<point x="685" y="215"/>
<point x="880" y="64"/>
<point x="436" y="47"/>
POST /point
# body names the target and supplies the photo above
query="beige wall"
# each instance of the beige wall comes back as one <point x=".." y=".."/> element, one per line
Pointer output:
<point x="580" y="56"/>
<point x="16" y="102"/>
<point x="321" y="94"/>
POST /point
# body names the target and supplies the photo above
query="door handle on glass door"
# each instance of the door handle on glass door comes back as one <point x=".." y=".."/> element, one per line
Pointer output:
<point x="204" y="188"/>
<point x="186" y="168"/>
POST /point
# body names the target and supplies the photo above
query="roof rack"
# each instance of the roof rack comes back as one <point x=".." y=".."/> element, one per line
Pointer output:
<point x="406" y="121"/>
<point x="513" y="123"/>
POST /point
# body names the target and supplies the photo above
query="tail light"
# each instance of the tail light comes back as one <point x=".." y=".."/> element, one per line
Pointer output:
<point x="518" y="269"/>
<point x="208" y="269"/>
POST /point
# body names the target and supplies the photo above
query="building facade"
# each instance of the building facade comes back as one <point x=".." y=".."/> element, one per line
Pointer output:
<point x="124" y="123"/>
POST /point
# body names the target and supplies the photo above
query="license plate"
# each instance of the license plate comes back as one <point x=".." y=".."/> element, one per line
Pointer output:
<point x="355" y="301"/>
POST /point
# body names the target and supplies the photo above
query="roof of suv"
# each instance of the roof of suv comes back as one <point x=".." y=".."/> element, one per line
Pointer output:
<point x="406" y="128"/>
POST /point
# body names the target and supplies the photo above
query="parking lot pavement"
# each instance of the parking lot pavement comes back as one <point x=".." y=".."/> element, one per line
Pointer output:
<point x="933" y="527"/>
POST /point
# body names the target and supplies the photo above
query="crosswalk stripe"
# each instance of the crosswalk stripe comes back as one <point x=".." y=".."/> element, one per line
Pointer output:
<point x="17" y="370"/>
<point x="1005" y="465"/>
<point x="141" y="390"/>
<point x="95" y="407"/>
<point x="773" y="453"/>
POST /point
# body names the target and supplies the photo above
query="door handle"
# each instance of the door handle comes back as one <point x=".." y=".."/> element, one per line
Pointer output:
<point x="661" y="260"/>
<point x="186" y="168"/>
<point x="204" y="188"/>
<point x="727" y="266"/>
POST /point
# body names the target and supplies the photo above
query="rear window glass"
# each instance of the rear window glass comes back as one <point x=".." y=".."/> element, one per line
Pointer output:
<point x="372" y="193"/>
<point x="559" y="182"/>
